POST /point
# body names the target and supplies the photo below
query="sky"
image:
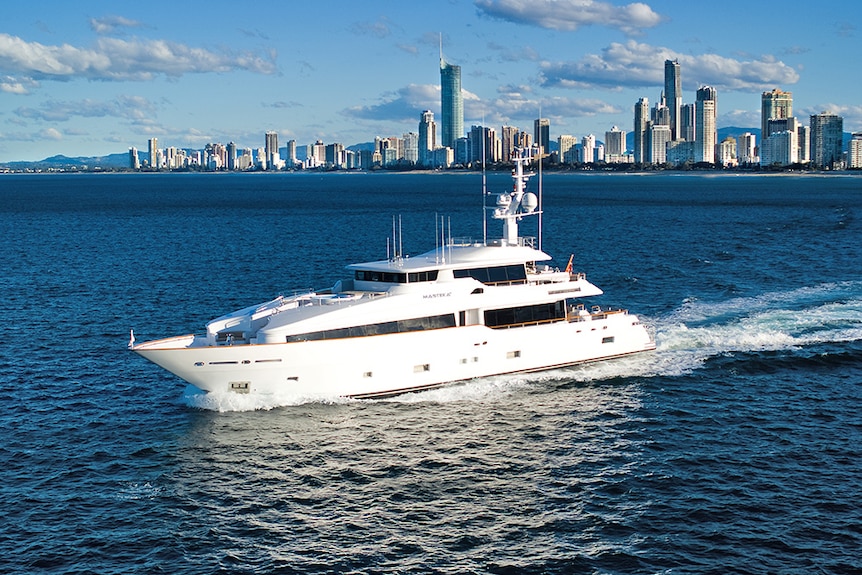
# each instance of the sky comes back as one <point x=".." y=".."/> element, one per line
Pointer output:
<point x="91" y="78"/>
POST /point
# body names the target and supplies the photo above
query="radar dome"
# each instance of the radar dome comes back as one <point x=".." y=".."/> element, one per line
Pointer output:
<point x="529" y="202"/>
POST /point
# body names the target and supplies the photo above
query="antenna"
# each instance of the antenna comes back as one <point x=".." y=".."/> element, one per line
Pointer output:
<point x="437" y="247"/>
<point x="540" y="201"/>
<point x="541" y="154"/>
<point x="441" y="47"/>
<point x="484" y="188"/>
<point x="394" y="245"/>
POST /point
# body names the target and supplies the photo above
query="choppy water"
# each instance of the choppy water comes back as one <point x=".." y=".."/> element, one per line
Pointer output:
<point x="734" y="448"/>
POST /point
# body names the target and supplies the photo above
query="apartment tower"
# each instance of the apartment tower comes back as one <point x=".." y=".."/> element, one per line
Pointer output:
<point x="705" y="136"/>
<point x="774" y="105"/>
<point x="451" y="103"/>
<point x="673" y="96"/>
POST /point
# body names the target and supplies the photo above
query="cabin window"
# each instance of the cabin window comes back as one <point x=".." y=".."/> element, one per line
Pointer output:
<point x="495" y="275"/>
<point x="415" y="277"/>
<point x="383" y="328"/>
<point x="525" y="315"/>
<point x="377" y="276"/>
<point x="609" y="339"/>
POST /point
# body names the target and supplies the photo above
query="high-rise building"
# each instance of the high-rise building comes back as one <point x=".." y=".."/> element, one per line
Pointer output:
<point x="134" y="162"/>
<point x="291" y="152"/>
<point x="746" y="148"/>
<point x="803" y="139"/>
<point x="854" y="151"/>
<point x="774" y="105"/>
<point x="411" y="147"/>
<point x="509" y="141"/>
<point x="427" y="137"/>
<point x="615" y="142"/>
<point x="231" y="156"/>
<point x="153" y="145"/>
<point x="655" y="143"/>
<point x="483" y="141"/>
<point x="705" y="135"/>
<point x="588" y="149"/>
<point x="542" y="134"/>
<point x="451" y="104"/>
<point x="334" y="155"/>
<point x="827" y="140"/>
<point x="673" y="95"/>
<point x="271" y="151"/>
<point x="640" y="127"/>
<point x="686" y="122"/>
<point x="727" y="152"/>
<point x="779" y="149"/>
<point x="566" y="144"/>
<point x="660" y="114"/>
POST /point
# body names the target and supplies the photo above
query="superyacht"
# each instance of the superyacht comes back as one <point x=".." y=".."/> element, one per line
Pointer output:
<point x="464" y="310"/>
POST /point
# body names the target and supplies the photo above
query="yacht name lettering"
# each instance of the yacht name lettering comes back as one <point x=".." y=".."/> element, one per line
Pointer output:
<point x="435" y="295"/>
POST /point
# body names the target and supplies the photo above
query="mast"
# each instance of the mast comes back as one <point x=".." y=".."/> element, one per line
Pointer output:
<point x="511" y="207"/>
<point x="484" y="189"/>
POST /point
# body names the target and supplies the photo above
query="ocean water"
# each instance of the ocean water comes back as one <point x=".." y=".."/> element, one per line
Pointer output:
<point x="735" y="448"/>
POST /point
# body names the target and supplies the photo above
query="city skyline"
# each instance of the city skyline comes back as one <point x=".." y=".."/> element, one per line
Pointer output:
<point x="89" y="79"/>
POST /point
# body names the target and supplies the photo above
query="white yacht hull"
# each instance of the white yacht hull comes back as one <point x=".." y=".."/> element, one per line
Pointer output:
<point x="383" y="365"/>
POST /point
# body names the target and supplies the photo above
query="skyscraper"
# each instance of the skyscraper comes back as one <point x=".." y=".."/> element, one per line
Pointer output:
<point x="827" y="140"/>
<point x="745" y="148"/>
<point x="588" y="147"/>
<point x="615" y="142"/>
<point x="231" y="156"/>
<point x="271" y="150"/>
<point x="509" y="141"/>
<point x="673" y="95"/>
<point x="774" y="105"/>
<point x="291" y="152"/>
<point x="705" y="130"/>
<point x="655" y="143"/>
<point x="427" y="137"/>
<point x="854" y="151"/>
<point x="640" y="127"/>
<point x="686" y="122"/>
<point x="451" y="103"/>
<point x="566" y="144"/>
<point x="153" y="144"/>
<point x="542" y="134"/>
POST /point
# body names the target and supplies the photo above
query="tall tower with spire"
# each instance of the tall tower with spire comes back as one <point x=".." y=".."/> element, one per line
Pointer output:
<point x="673" y="94"/>
<point x="451" y="102"/>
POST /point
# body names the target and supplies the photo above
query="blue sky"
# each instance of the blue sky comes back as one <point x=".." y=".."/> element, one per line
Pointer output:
<point x="96" y="77"/>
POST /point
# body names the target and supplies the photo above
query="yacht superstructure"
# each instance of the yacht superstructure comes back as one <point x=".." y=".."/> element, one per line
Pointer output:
<point x="464" y="310"/>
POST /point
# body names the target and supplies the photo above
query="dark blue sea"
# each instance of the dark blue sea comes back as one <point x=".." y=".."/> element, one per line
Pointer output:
<point x="736" y="447"/>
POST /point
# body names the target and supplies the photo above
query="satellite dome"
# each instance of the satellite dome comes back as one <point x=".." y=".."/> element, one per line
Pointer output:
<point x="529" y="202"/>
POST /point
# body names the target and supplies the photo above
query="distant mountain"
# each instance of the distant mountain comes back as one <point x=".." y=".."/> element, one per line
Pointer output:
<point x="60" y="162"/>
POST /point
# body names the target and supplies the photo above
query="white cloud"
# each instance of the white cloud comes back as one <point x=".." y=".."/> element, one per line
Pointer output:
<point x="403" y="105"/>
<point x="570" y="15"/>
<point x="638" y="65"/>
<point x="51" y="134"/>
<point x="119" y="59"/>
<point x="128" y="107"/>
<point x="109" y="24"/>
<point x="12" y="85"/>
